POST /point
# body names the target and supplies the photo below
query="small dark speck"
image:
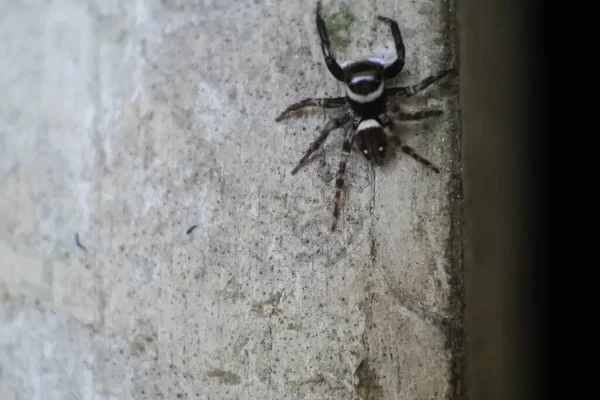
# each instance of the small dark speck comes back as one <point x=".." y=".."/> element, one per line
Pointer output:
<point x="179" y="395"/>
<point x="191" y="229"/>
<point x="78" y="243"/>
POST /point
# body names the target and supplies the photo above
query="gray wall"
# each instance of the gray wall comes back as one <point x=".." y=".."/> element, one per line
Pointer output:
<point x="129" y="122"/>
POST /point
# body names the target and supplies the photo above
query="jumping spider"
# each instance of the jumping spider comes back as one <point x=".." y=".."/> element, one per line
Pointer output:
<point x="365" y="105"/>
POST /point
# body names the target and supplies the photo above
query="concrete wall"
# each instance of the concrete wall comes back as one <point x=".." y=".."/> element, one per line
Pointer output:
<point x="127" y="122"/>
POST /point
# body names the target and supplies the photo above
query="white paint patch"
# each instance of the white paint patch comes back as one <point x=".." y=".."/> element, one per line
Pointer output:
<point x="211" y="104"/>
<point x="365" y="98"/>
<point x="368" y="124"/>
<point x="142" y="13"/>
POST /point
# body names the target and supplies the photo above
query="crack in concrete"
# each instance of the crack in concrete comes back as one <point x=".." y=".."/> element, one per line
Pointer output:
<point x="372" y="212"/>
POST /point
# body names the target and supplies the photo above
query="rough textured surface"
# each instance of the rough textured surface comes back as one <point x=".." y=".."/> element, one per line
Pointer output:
<point x="129" y="122"/>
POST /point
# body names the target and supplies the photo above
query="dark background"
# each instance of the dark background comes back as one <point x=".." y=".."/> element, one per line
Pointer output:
<point x="503" y="101"/>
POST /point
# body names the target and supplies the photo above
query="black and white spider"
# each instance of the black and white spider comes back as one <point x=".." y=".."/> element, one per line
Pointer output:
<point x="365" y="105"/>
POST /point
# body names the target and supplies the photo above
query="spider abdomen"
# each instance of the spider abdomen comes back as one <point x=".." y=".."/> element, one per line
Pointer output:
<point x="364" y="81"/>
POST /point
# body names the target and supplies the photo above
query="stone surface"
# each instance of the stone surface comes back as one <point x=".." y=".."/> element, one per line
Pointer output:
<point x="127" y="123"/>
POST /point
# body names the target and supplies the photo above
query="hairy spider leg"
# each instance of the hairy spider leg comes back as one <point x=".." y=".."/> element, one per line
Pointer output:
<point x="417" y="115"/>
<point x="407" y="91"/>
<point x="341" y="173"/>
<point x="333" y="66"/>
<point x="409" y="150"/>
<point x="332" y="124"/>
<point x="332" y="102"/>
<point x="394" y="68"/>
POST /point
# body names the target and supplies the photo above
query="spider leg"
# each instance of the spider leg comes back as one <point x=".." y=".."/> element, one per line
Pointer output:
<point x="409" y="150"/>
<point x="394" y="68"/>
<point x="314" y="146"/>
<point x="384" y="120"/>
<point x="333" y="102"/>
<point x="333" y="66"/>
<point x="341" y="173"/>
<point x="418" y="115"/>
<point x="408" y="91"/>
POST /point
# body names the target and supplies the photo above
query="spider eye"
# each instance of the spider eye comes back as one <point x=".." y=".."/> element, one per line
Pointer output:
<point x="366" y="151"/>
<point x="380" y="148"/>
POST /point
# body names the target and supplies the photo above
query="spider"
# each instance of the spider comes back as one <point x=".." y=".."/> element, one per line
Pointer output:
<point x="365" y="106"/>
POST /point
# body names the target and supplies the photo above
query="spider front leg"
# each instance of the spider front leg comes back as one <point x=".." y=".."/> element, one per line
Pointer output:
<point x="341" y="173"/>
<point x="418" y="115"/>
<point x="394" y="68"/>
<point x="408" y="91"/>
<point x="333" y="66"/>
<point x="314" y="146"/>
<point x="333" y="102"/>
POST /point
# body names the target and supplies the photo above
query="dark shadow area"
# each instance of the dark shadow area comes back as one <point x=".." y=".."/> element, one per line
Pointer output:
<point x="502" y="95"/>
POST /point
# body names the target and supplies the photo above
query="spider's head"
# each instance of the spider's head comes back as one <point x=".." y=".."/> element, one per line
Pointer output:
<point x="364" y="80"/>
<point x="372" y="141"/>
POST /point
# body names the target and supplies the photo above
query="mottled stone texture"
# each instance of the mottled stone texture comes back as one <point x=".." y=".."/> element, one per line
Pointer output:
<point x="128" y="122"/>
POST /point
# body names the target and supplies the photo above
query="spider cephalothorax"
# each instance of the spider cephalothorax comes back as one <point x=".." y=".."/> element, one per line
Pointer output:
<point x="365" y="106"/>
<point x="372" y="141"/>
